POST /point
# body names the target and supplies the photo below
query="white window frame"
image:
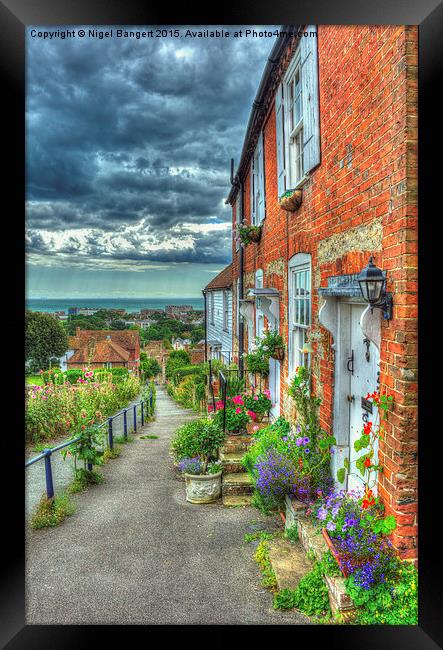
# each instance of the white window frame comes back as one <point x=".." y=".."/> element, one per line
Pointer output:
<point x="300" y="309"/>
<point x="293" y="132"/>
<point x="257" y="165"/>
<point x="108" y="365"/>
<point x="259" y="318"/>
<point x="225" y="310"/>
<point x="211" y="309"/>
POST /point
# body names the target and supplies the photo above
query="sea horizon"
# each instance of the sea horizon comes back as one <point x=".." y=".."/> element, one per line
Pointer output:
<point x="131" y="305"/>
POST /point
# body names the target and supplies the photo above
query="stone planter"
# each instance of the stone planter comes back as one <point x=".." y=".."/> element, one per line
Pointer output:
<point x="203" y="488"/>
<point x="292" y="202"/>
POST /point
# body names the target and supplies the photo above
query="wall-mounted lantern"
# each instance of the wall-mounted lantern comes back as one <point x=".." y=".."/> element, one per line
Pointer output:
<point x="372" y="283"/>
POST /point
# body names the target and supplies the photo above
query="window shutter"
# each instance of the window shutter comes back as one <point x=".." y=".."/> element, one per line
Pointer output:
<point x="310" y="100"/>
<point x="260" y="180"/>
<point x="279" y="115"/>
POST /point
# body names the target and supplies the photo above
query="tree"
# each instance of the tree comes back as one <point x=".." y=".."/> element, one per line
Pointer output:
<point x="45" y="338"/>
<point x="197" y="334"/>
<point x="149" y="366"/>
<point x="177" y="359"/>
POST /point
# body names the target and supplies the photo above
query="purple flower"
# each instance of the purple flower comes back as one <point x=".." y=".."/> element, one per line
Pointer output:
<point x="330" y="525"/>
<point x="307" y="450"/>
<point x="305" y="440"/>
<point x="322" y="514"/>
<point x="299" y="442"/>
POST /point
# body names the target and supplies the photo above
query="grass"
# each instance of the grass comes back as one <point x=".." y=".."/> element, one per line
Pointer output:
<point x="85" y="479"/>
<point x="148" y="437"/>
<point x="34" y="379"/>
<point x="110" y="454"/>
<point x="121" y="440"/>
<point x="51" y="512"/>
<point x="261" y="556"/>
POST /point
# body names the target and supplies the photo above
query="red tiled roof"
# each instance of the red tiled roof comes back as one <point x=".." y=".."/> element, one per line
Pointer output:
<point x="101" y="346"/>
<point x="221" y="281"/>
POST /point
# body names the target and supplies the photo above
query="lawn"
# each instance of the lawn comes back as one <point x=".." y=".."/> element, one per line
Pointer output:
<point x="36" y="380"/>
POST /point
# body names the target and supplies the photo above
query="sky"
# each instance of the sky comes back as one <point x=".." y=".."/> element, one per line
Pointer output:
<point x="128" y="148"/>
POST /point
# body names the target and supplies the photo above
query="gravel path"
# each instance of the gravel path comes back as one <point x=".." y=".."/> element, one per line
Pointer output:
<point x="137" y="553"/>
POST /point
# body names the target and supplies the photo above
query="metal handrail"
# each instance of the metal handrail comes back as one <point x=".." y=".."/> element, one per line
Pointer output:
<point x="47" y="453"/>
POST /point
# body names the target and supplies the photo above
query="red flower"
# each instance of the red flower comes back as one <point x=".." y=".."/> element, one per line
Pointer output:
<point x="367" y="461"/>
<point x="367" y="428"/>
<point x="83" y="426"/>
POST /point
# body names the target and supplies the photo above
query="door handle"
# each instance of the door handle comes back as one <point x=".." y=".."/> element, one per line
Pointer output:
<point x="350" y="363"/>
<point x="350" y="398"/>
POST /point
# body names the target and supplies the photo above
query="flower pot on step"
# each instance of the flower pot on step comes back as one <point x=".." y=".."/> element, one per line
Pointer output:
<point x="292" y="202"/>
<point x="255" y="236"/>
<point x="253" y="427"/>
<point x="203" y="488"/>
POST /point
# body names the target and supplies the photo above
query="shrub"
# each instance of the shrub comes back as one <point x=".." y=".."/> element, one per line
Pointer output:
<point x="201" y="438"/>
<point x="176" y="359"/>
<point x="310" y="596"/>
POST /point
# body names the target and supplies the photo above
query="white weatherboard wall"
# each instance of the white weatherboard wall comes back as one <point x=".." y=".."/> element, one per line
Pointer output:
<point x="215" y="332"/>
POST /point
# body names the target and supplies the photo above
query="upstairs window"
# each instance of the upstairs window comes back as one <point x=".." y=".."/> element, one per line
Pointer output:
<point x="259" y="318"/>
<point x="226" y="311"/>
<point x="258" y="183"/>
<point x="299" y="283"/>
<point x="211" y="308"/>
<point x="238" y="217"/>
<point x="297" y="116"/>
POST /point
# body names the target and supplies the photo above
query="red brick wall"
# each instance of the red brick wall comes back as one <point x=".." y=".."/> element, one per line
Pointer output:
<point x="367" y="179"/>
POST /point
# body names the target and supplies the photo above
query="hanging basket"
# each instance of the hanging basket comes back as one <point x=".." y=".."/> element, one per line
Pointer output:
<point x="255" y="235"/>
<point x="291" y="202"/>
<point x="278" y="354"/>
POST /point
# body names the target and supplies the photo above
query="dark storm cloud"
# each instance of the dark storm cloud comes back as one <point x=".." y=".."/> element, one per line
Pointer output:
<point x="124" y="133"/>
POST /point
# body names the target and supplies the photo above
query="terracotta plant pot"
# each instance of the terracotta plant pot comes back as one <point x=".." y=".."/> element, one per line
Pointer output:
<point x="292" y="202"/>
<point x="279" y="354"/>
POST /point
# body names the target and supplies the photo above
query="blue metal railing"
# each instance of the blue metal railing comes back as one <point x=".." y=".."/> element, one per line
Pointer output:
<point x="47" y="453"/>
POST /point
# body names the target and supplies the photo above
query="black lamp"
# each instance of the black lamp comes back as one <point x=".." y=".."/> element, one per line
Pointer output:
<point x="373" y="288"/>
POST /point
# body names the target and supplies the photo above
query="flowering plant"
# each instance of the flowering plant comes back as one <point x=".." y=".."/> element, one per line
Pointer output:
<point x="366" y="463"/>
<point x="257" y="361"/>
<point x="306" y="403"/>
<point x="260" y="403"/>
<point x="271" y="341"/>
<point x="245" y="234"/>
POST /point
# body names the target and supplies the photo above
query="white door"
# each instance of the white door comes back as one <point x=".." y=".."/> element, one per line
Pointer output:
<point x="274" y="387"/>
<point x="362" y="365"/>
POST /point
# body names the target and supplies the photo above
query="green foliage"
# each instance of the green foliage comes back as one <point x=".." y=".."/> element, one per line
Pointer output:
<point x="261" y="534"/>
<point x="111" y="454"/>
<point x="200" y="438"/>
<point x="306" y="404"/>
<point x="180" y="373"/>
<point x="84" y="479"/>
<point x="45" y="338"/>
<point x="292" y="533"/>
<point x="176" y="359"/>
<point x="267" y="438"/>
<point x="150" y="437"/>
<point x="310" y="596"/>
<point x="261" y="556"/>
<point x="51" y="512"/>
<point x="235" y="385"/>
<point x="272" y="340"/>
<point x="393" y="602"/>
<point x="149" y="367"/>
<point x="146" y="392"/>
<point x="261" y="504"/>
<point x="329" y="566"/>
<point x="257" y="362"/>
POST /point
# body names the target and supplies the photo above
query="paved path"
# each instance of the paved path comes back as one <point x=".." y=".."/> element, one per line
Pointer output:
<point x="62" y="470"/>
<point x="137" y="553"/>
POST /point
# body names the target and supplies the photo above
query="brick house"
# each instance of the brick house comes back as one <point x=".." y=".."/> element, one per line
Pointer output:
<point x="335" y="116"/>
<point x="218" y="315"/>
<point x="104" y="349"/>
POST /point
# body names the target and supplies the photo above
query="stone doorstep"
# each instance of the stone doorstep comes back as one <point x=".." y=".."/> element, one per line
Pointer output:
<point x="236" y="483"/>
<point x="289" y="562"/>
<point x="232" y="462"/>
<point x="314" y="541"/>
<point x="236" y="501"/>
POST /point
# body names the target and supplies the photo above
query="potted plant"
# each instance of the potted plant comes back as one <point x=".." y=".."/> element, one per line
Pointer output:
<point x="257" y="362"/>
<point x="259" y="404"/>
<point x="195" y="446"/>
<point x="290" y="200"/>
<point x="248" y="233"/>
<point x="235" y="416"/>
<point x="273" y="342"/>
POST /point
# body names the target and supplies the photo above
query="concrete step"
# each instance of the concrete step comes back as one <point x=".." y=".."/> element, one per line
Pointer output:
<point x="232" y="462"/>
<point x="236" y="484"/>
<point x="289" y="562"/>
<point x="240" y="501"/>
